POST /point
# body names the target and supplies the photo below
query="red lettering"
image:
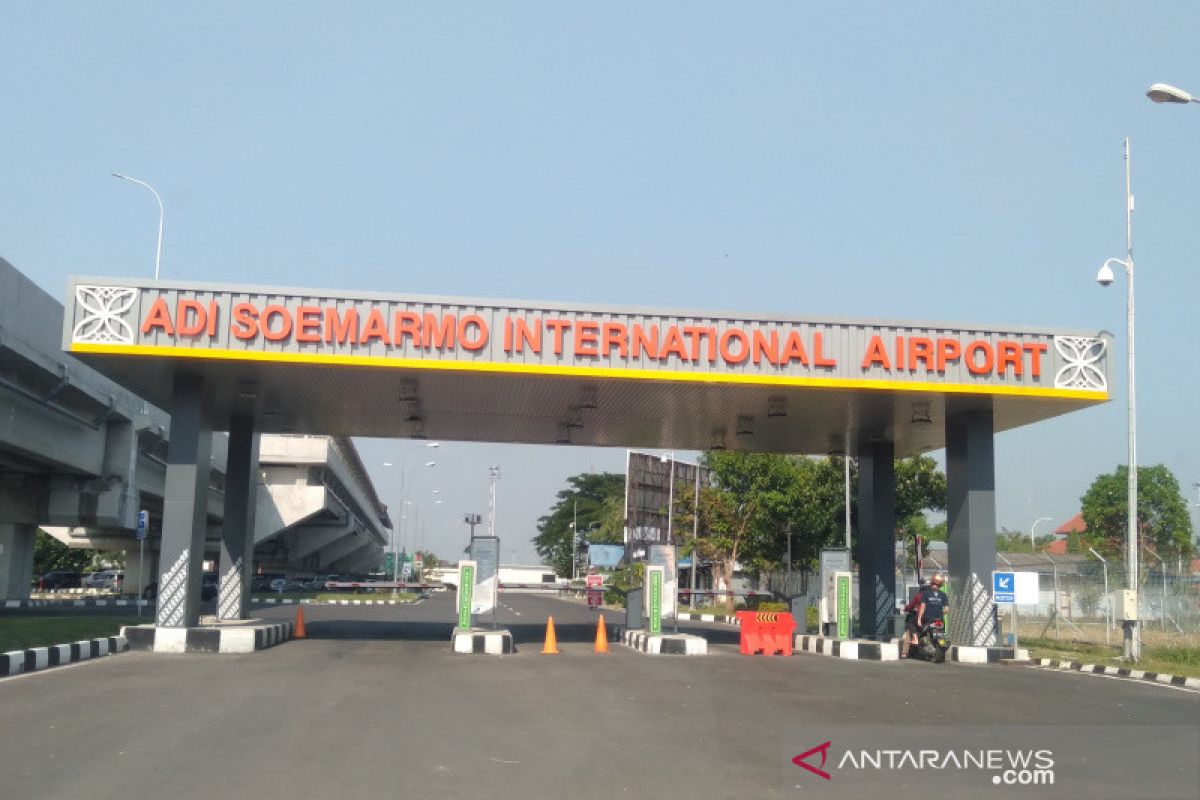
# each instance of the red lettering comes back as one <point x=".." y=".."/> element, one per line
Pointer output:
<point x="558" y="326"/>
<point x="245" y="321"/>
<point x="876" y="354"/>
<point x="440" y="336"/>
<point x="743" y="346"/>
<point x="613" y="334"/>
<point x="819" y="359"/>
<point x="284" y="331"/>
<point x="973" y="365"/>
<point x="308" y="324"/>
<point x="406" y="323"/>
<point x="472" y="332"/>
<point x="765" y="346"/>
<point x="1035" y="351"/>
<point x="673" y="344"/>
<point x="585" y="338"/>
<point x="793" y="350"/>
<point x="920" y="350"/>
<point x="949" y="350"/>
<point x="159" y="317"/>
<point x="341" y="330"/>
<point x="1010" y="355"/>
<point x="696" y="335"/>
<point x="645" y="341"/>
<point x="212" y="319"/>
<point x="529" y="336"/>
<point x="190" y="318"/>
<point x="374" y="328"/>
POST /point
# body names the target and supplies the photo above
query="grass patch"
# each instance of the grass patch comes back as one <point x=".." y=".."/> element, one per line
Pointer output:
<point x="1163" y="659"/>
<point x="20" y="633"/>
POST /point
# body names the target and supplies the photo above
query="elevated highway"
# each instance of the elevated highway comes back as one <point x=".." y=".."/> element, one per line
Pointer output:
<point x="80" y="456"/>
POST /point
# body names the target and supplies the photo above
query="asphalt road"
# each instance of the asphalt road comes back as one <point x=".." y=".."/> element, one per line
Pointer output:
<point x="374" y="705"/>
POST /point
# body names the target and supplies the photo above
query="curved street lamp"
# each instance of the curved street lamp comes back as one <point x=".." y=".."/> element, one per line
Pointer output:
<point x="1166" y="93"/>
<point x="158" y="252"/>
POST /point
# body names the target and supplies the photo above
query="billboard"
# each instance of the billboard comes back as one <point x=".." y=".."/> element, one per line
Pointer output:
<point x="648" y="493"/>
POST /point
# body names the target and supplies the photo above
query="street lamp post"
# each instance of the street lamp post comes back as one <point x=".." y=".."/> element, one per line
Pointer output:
<point x="1032" y="528"/>
<point x="1133" y="643"/>
<point x="400" y="516"/>
<point x="157" y="252"/>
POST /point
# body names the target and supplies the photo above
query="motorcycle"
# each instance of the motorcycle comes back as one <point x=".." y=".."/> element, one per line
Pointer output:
<point x="932" y="642"/>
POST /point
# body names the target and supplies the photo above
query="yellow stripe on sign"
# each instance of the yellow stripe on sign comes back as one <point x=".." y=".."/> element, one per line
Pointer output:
<point x="617" y="373"/>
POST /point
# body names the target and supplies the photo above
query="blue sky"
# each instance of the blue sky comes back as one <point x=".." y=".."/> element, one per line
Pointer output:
<point x="912" y="161"/>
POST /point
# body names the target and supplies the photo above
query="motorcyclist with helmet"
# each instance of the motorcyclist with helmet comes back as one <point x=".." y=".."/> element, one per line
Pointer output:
<point x="931" y="604"/>
<point x="910" y="619"/>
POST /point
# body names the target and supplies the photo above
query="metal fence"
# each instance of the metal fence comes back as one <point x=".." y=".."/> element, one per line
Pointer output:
<point x="1084" y="604"/>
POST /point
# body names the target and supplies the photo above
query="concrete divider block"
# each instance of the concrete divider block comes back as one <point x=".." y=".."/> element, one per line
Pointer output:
<point x="486" y="642"/>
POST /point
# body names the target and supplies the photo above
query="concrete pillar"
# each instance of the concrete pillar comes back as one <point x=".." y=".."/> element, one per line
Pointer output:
<point x="877" y="538"/>
<point x="16" y="560"/>
<point x="185" y="505"/>
<point x="137" y="578"/>
<point x="971" y="520"/>
<point x="237" y="532"/>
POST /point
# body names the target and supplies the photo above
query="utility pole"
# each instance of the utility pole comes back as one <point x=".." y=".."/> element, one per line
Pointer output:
<point x="575" y="540"/>
<point x="493" y="478"/>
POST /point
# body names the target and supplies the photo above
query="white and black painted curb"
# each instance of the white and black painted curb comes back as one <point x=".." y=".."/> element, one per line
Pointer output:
<point x="966" y="654"/>
<point x="492" y="643"/>
<point x="218" y="639"/>
<point x="35" y="659"/>
<point x="856" y="649"/>
<point x="679" y="644"/>
<point x="722" y="618"/>
<point x="1119" y="672"/>
<point x="306" y="602"/>
<point x="74" y="603"/>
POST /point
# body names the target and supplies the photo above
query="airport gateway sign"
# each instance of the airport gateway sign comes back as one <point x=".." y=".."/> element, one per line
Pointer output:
<point x="267" y="324"/>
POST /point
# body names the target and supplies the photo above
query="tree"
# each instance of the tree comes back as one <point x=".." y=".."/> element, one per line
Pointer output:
<point x="50" y="554"/>
<point x="1017" y="542"/>
<point x="1162" y="513"/>
<point x="596" y="501"/>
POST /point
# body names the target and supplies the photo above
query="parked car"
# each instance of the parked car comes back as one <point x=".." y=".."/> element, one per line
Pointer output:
<point x="260" y="583"/>
<point x="61" y="579"/>
<point x="208" y="588"/>
<point x="110" y="579"/>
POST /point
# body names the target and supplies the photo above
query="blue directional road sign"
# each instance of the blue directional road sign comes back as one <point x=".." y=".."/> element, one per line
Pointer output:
<point x="143" y="522"/>
<point x="1004" y="587"/>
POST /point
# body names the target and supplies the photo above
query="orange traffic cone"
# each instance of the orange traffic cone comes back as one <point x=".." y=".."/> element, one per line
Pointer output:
<point x="601" y="636"/>
<point x="551" y="646"/>
<point x="299" y="632"/>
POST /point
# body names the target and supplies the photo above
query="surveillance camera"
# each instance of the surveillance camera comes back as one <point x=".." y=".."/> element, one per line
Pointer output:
<point x="1105" y="276"/>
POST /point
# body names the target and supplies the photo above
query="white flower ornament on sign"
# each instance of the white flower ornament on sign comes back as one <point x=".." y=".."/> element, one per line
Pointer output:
<point x="1082" y="354"/>
<point x="103" y="307"/>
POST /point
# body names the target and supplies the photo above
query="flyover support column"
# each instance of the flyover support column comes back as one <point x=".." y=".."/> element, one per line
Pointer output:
<point x="971" y="520"/>
<point x="877" y="539"/>
<point x="185" y="516"/>
<point x="16" y="560"/>
<point x="237" y="536"/>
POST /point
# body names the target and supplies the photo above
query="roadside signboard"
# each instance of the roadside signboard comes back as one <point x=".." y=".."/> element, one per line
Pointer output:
<point x="654" y="600"/>
<point x="485" y="553"/>
<point x="466" y="587"/>
<point x="833" y="561"/>
<point x="663" y="555"/>
<point x="143" y="523"/>
<point x="1003" y="587"/>
<point x="842" y="604"/>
